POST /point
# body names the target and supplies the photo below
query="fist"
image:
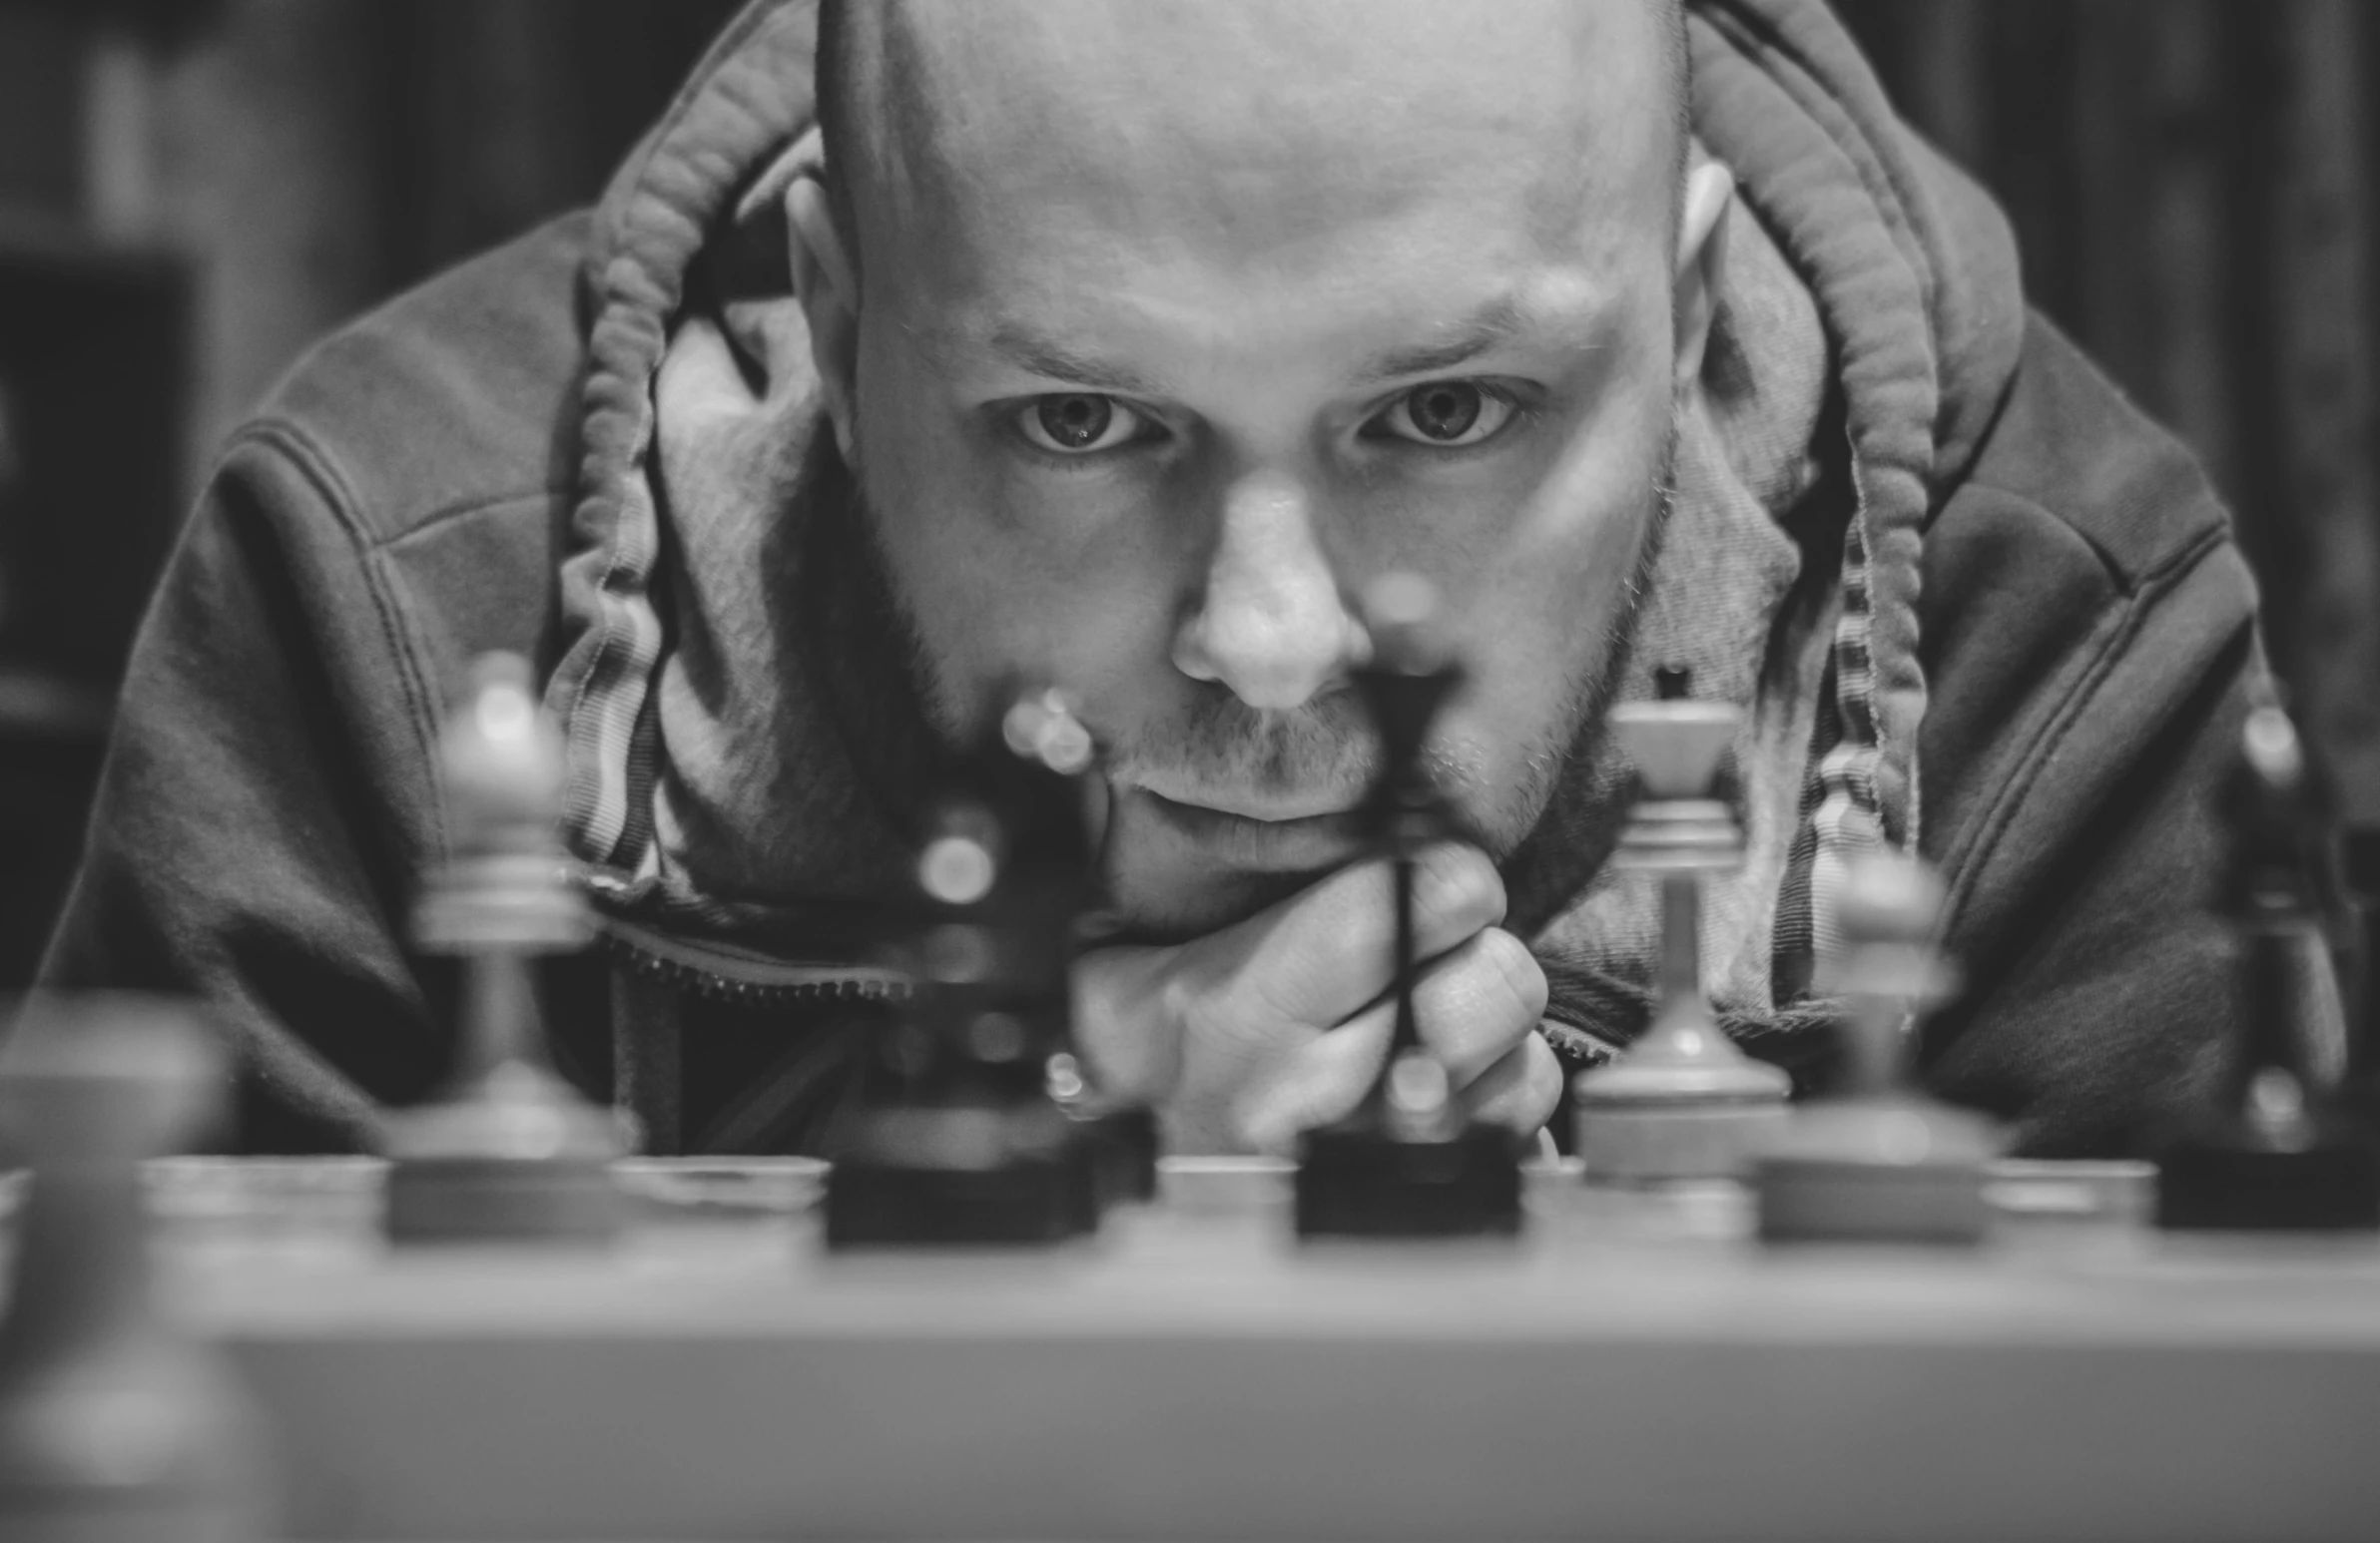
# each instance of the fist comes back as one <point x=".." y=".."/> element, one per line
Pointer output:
<point x="1246" y="1037"/>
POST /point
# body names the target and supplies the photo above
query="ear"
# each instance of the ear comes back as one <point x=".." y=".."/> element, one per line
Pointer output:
<point x="1701" y="257"/>
<point x="826" y="284"/>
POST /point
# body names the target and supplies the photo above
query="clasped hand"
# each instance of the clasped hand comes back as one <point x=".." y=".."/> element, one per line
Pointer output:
<point x="1250" y="1035"/>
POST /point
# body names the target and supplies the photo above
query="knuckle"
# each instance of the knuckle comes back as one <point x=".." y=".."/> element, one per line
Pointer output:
<point x="1518" y="973"/>
<point x="1528" y="1087"/>
<point x="1457" y="889"/>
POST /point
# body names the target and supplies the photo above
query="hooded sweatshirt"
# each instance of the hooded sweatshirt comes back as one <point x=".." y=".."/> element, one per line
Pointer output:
<point x="1972" y="604"/>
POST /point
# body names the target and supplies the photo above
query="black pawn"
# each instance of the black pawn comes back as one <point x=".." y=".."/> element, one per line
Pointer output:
<point x="964" y="1138"/>
<point x="2275" y="1153"/>
<point x="1409" y="1162"/>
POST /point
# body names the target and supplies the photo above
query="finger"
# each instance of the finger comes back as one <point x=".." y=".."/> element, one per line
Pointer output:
<point x="1119" y="1028"/>
<point x="1326" y="953"/>
<point x="1318" y="1083"/>
<point x="1519" y="1092"/>
<point x="1476" y="1005"/>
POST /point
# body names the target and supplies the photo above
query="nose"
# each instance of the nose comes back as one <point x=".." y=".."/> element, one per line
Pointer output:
<point x="1269" y="626"/>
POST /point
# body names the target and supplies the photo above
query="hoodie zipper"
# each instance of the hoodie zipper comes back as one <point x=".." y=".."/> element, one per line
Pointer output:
<point x="744" y="978"/>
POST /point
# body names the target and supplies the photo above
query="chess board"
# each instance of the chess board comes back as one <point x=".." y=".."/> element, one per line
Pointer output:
<point x="1635" y="1368"/>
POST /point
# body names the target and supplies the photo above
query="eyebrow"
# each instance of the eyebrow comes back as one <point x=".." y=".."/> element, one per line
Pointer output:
<point x="1492" y="326"/>
<point x="1041" y="355"/>
<point x="1494" y="323"/>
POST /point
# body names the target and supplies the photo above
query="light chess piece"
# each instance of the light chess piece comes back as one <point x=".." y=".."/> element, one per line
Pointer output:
<point x="1684" y="1102"/>
<point x="114" y="1424"/>
<point x="1410" y="1162"/>
<point x="2275" y="1151"/>
<point x="508" y="1151"/>
<point x="964" y="1138"/>
<point x="1880" y="1161"/>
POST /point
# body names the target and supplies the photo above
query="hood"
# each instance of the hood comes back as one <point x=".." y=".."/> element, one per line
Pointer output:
<point x="1912" y="269"/>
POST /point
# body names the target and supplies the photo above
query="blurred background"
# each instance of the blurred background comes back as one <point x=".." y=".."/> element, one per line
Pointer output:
<point x="190" y="191"/>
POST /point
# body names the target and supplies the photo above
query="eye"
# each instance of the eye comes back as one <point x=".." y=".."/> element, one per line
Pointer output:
<point x="1080" y="423"/>
<point x="1445" y="414"/>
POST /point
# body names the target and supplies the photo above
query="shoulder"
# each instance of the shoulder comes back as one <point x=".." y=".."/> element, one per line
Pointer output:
<point x="2081" y="588"/>
<point x="2070" y="453"/>
<point x="459" y="395"/>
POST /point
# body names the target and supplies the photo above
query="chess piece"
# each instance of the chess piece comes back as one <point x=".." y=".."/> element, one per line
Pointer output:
<point x="2360" y="972"/>
<point x="113" y="1423"/>
<point x="966" y="1140"/>
<point x="1684" y="1102"/>
<point x="507" y="1150"/>
<point x="1409" y="1162"/>
<point x="2274" y="1152"/>
<point x="1054" y="754"/>
<point x="1880" y="1162"/>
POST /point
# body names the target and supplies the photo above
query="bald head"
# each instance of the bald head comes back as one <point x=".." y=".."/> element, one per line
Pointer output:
<point x="1184" y="321"/>
<point x="1241" y="97"/>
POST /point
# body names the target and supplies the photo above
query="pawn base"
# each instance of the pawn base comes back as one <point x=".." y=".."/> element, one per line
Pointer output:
<point x="1811" y="1200"/>
<point x="2212" y="1186"/>
<point x="1359" y="1181"/>
<point x="967" y="1174"/>
<point x="1674" y="1143"/>
<point x="1893" y="1169"/>
<point x="875" y="1204"/>
<point x="1123" y="1144"/>
<point x="479" y="1200"/>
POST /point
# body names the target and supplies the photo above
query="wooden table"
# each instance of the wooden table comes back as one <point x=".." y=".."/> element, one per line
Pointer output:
<point x="1636" y="1369"/>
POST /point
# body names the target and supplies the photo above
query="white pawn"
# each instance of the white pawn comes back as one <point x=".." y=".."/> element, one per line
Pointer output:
<point x="508" y="1151"/>
<point x="1685" y="1104"/>
<point x="1881" y="1162"/>
<point x="113" y="1423"/>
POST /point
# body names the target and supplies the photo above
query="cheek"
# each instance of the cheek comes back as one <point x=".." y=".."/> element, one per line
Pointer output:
<point x="1546" y="596"/>
<point x="1013" y="577"/>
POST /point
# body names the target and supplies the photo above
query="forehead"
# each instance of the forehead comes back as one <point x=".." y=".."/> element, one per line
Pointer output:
<point x="1022" y="141"/>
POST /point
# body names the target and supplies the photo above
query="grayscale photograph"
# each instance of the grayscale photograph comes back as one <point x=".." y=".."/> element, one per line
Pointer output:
<point x="1189" y="771"/>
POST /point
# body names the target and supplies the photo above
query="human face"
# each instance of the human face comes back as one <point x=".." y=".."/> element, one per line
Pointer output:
<point x="1182" y="345"/>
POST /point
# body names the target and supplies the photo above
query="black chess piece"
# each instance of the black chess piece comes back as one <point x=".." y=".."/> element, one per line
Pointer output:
<point x="1052" y="760"/>
<point x="980" y="1129"/>
<point x="2274" y="1152"/>
<point x="1684" y="1102"/>
<point x="1410" y="1162"/>
<point x="2360" y="971"/>
<point x="1879" y="1161"/>
<point x="114" y="1423"/>
<point x="507" y="1150"/>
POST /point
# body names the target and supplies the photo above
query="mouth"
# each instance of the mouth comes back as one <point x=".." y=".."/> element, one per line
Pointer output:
<point x="1279" y="837"/>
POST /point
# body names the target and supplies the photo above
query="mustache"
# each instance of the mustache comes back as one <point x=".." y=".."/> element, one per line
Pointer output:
<point x="1219" y="740"/>
<point x="1222" y="744"/>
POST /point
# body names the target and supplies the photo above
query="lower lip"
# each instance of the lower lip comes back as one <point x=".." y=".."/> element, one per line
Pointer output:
<point x="1315" y="841"/>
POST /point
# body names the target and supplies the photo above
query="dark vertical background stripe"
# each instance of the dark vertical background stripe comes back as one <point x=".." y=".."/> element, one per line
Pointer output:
<point x="2192" y="185"/>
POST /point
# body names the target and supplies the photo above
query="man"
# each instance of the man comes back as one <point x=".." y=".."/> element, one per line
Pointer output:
<point x="1120" y="347"/>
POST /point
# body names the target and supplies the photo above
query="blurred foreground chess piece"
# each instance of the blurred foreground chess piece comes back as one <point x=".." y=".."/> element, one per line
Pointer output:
<point x="1054" y="754"/>
<point x="1410" y="1162"/>
<point x="980" y="1129"/>
<point x="2274" y="1152"/>
<point x="1684" y="1102"/>
<point x="1880" y="1162"/>
<point x="113" y="1424"/>
<point x="508" y="1151"/>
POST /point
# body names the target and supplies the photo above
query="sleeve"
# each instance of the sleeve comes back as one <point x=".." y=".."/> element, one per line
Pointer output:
<point x="2083" y="853"/>
<point x="263" y="804"/>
